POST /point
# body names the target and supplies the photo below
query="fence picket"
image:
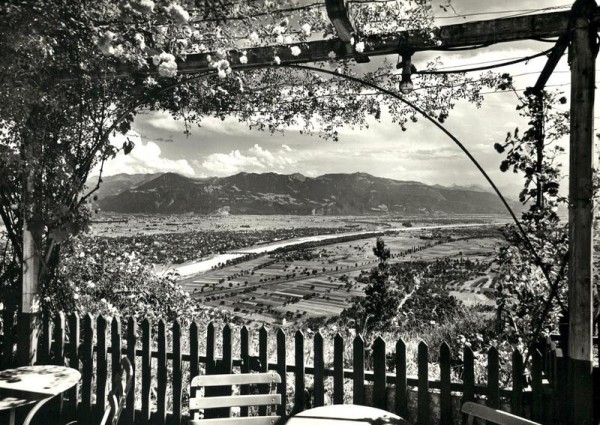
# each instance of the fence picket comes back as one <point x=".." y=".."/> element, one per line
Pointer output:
<point x="245" y="367"/>
<point x="338" y="369"/>
<point x="537" y="408"/>
<point x="379" y="387"/>
<point x="161" y="375"/>
<point x="74" y="362"/>
<point x="516" y="404"/>
<point x="59" y="339"/>
<point x="194" y="351"/>
<point x="87" y="360"/>
<point x="319" y="363"/>
<point x="101" y="366"/>
<point x="281" y="368"/>
<point x="358" y="390"/>
<point x="401" y="399"/>
<point x="177" y="373"/>
<point x="115" y="346"/>
<point x="263" y="353"/>
<point x="224" y="366"/>
<point x="445" y="383"/>
<point x="423" y="414"/>
<point x="58" y="358"/>
<point x="146" y="370"/>
<point x="299" y="401"/>
<point x="493" y="385"/>
<point x="210" y="348"/>
<point x="561" y="382"/>
<point x="45" y="343"/>
<point x="129" y="414"/>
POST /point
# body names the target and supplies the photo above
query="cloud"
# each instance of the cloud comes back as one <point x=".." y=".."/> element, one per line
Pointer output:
<point x="255" y="159"/>
<point x="144" y="158"/>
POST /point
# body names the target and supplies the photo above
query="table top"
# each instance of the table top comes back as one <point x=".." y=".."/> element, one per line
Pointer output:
<point x="345" y="414"/>
<point x="27" y="384"/>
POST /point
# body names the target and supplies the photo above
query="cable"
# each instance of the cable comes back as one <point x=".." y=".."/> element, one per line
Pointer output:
<point x="483" y="68"/>
<point x="497" y="12"/>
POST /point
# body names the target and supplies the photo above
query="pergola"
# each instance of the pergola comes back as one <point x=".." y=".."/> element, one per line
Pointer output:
<point x="576" y="30"/>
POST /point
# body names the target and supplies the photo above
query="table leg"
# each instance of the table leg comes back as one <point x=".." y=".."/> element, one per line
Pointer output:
<point x="11" y="419"/>
<point x="34" y="410"/>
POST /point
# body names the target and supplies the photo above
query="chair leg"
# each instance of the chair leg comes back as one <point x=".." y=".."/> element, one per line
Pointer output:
<point x="34" y="410"/>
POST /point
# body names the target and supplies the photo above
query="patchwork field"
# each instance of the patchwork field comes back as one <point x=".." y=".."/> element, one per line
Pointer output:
<point x="321" y="281"/>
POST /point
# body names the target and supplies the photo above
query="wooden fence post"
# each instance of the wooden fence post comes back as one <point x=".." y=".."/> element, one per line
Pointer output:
<point x="129" y="414"/>
<point x="177" y="373"/>
<point x="517" y="383"/>
<point x="493" y="386"/>
<point x="263" y="355"/>
<point x="423" y="413"/>
<point x="358" y="354"/>
<point x="116" y="346"/>
<point x="401" y="382"/>
<point x="74" y="362"/>
<point x="101" y="366"/>
<point x="45" y="340"/>
<point x="146" y="370"/>
<point x="445" y="394"/>
<point x="299" y="401"/>
<point x="379" y="370"/>
<point x="338" y="369"/>
<point x="282" y="369"/>
<point x="245" y="368"/>
<point x="161" y="375"/>
<point x="319" y="363"/>
<point x="210" y="348"/>
<point x="536" y="385"/>
<point x="87" y="360"/>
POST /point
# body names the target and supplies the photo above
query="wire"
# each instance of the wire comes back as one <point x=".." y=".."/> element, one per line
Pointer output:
<point x="497" y="12"/>
<point x="483" y="68"/>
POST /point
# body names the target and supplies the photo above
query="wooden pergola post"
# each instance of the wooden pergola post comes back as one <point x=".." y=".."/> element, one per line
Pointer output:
<point x="582" y="53"/>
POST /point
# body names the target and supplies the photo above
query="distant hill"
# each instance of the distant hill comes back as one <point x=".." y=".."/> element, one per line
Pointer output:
<point x="114" y="185"/>
<point x="271" y="193"/>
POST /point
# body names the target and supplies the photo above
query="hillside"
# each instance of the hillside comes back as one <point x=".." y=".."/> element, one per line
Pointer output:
<point x="271" y="193"/>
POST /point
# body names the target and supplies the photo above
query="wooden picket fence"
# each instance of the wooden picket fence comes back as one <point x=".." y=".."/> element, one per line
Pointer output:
<point x="162" y="374"/>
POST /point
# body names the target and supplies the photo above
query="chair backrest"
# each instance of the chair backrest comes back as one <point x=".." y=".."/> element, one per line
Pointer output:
<point x="476" y="410"/>
<point x="219" y="402"/>
<point x="118" y="394"/>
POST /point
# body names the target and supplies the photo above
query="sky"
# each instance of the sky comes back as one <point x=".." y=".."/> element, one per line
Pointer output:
<point x="422" y="153"/>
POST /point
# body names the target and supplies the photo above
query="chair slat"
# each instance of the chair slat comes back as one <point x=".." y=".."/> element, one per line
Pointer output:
<point x="235" y="379"/>
<point x="230" y="401"/>
<point x="253" y="420"/>
<point x="496" y="416"/>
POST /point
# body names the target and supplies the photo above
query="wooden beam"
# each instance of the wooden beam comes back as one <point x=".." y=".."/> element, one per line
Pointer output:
<point x="338" y="15"/>
<point x="553" y="58"/>
<point x="479" y="33"/>
<point x="582" y="52"/>
<point x="337" y="12"/>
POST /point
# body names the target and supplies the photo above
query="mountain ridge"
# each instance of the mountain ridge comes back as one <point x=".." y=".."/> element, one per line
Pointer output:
<point x="273" y="193"/>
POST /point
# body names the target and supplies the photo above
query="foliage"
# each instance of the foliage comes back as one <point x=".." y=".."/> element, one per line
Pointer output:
<point x="99" y="280"/>
<point x="528" y="281"/>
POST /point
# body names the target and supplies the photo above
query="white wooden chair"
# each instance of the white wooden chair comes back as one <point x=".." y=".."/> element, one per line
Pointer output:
<point x="476" y="410"/>
<point x="220" y="402"/>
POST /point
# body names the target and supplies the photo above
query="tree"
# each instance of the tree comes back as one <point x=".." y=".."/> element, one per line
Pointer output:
<point x="532" y="286"/>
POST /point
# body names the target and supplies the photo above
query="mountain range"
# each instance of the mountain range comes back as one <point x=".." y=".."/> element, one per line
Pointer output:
<point x="272" y="193"/>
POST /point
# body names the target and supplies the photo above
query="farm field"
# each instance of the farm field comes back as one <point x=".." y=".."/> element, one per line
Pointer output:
<point x="114" y="225"/>
<point x="297" y="285"/>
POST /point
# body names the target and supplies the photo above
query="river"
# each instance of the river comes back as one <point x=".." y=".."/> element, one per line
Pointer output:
<point x="204" y="265"/>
